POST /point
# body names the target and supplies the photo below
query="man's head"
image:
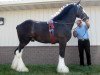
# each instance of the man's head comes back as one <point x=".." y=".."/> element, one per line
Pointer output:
<point x="79" y="22"/>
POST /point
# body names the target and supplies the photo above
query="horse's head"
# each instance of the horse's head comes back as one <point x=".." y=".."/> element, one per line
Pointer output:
<point x="80" y="12"/>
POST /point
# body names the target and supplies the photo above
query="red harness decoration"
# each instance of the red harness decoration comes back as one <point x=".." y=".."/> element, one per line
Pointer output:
<point x="51" y="31"/>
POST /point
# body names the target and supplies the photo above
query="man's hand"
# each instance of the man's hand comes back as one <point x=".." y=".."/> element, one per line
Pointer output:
<point x="87" y="23"/>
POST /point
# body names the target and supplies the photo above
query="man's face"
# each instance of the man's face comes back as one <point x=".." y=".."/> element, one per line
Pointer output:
<point x="79" y="22"/>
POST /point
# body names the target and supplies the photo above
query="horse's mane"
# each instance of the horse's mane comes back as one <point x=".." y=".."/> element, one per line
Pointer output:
<point x="63" y="12"/>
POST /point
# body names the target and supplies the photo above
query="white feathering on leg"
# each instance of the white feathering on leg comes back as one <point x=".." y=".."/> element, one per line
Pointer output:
<point x="18" y="63"/>
<point x="14" y="62"/>
<point x="62" y="68"/>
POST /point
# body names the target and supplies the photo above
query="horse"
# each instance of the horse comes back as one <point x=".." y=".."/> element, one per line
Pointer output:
<point x="31" y="30"/>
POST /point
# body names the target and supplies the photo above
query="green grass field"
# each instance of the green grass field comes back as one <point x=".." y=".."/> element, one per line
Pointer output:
<point x="51" y="70"/>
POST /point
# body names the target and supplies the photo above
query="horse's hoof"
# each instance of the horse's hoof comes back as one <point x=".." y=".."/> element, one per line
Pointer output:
<point x="13" y="67"/>
<point x="25" y="69"/>
<point x="62" y="69"/>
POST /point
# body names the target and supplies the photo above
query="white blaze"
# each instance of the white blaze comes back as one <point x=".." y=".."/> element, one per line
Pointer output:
<point x="84" y="11"/>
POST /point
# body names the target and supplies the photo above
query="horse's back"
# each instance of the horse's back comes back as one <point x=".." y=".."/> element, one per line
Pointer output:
<point x="41" y="27"/>
<point x="30" y="24"/>
<point x="25" y="25"/>
<point x="37" y="30"/>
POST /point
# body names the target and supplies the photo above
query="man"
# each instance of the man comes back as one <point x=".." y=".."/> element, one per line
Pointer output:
<point x="81" y="32"/>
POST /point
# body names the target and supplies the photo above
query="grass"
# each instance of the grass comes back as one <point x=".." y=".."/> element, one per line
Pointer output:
<point x="51" y="70"/>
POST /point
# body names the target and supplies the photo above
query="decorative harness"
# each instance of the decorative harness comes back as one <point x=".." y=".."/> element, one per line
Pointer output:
<point x="51" y="31"/>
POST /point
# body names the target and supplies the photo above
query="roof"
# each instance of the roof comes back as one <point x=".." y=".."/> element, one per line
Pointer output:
<point x="39" y="4"/>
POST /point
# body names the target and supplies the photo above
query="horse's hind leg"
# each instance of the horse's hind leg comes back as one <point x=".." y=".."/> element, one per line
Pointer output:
<point x="18" y="63"/>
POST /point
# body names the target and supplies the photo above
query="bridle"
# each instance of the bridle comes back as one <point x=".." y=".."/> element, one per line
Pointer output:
<point x="78" y="7"/>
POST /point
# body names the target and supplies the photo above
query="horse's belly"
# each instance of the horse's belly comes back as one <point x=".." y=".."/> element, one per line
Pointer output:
<point x="42" y="41"/>
<point x="42" y="38"/>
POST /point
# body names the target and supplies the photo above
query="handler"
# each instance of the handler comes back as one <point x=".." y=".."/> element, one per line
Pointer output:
<point x="81" y="32"/>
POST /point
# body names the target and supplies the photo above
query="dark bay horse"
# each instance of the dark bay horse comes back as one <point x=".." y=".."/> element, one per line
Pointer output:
<point x="31" y="30"/>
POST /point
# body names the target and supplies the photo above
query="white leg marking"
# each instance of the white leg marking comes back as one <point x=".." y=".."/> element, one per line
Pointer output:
<point x="62" y="68"/>
<point x="14" y="62"/>
<point x="18" y="63"/>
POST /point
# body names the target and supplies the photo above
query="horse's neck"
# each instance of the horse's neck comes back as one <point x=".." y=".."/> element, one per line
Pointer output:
<point x="70" y="17"/>
<point x="69" y="20"/>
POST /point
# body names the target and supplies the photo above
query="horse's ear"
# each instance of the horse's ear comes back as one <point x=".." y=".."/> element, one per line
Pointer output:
<point x="78" y="2"/>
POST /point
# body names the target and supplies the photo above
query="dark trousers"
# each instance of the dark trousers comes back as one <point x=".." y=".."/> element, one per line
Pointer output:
<point x="84" y="45"/>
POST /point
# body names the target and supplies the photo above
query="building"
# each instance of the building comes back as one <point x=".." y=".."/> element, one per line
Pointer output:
<point x="15" y="12"/>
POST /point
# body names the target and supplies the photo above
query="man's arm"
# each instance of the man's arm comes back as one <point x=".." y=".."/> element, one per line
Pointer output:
<point x="87" y="23"/>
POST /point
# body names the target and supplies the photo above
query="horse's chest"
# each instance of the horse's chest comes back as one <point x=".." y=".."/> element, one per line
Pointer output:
<point x="63" y="31"/>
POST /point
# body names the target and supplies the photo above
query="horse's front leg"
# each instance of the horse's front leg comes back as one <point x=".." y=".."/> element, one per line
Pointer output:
<point x="62" y="68"/>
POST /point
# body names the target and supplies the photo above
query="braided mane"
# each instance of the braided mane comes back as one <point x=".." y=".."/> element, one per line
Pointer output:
<point x="63" y="12"/>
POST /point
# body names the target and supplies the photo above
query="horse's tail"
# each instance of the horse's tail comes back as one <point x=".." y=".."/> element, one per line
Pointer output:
<point x="25" y="29"/>
<point x="18" y="28"/>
